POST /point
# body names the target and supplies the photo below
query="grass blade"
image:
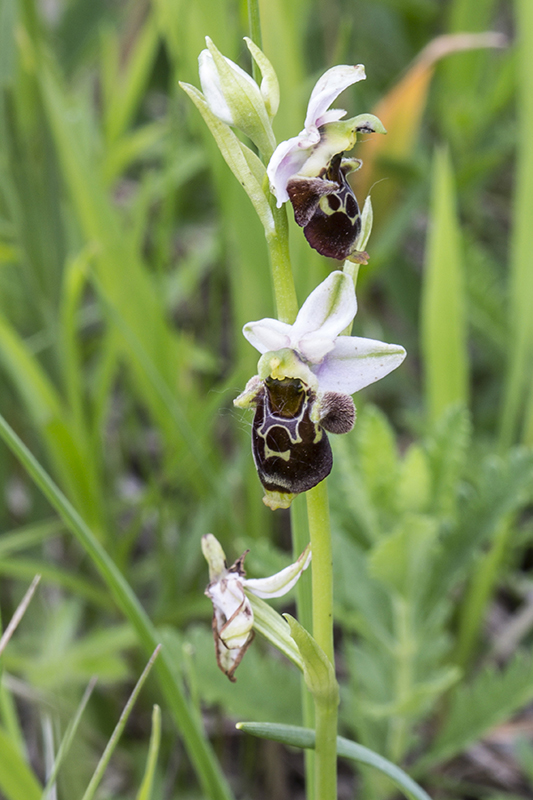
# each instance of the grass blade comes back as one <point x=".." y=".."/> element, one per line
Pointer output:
<point x="145" y="792"/>
<point x="521" y="280"/>
<point x="199" y="750"/>
<point x="117" y="733"/>
<point x="19" y="613"/>
<point x="68" y="738"/>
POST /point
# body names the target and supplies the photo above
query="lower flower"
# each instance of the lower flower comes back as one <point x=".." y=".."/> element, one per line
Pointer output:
<point x="233" y="616"/>
<point x="290" y="446"/>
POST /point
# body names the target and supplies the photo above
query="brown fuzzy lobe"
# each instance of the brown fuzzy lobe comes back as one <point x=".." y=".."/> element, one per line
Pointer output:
<point x="337" y="412"/>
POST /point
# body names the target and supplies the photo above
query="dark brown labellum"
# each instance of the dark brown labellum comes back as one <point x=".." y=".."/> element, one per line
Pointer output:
<point x="326" y="208"/>
<point x="291" y="452"/>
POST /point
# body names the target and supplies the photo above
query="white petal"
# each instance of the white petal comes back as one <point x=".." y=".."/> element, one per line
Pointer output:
<point x="328" y="88"/>
<point x="268" y="334"/>
<point x="280" y="583"/>
<point x="286" y="161"/>
<point x="326" y="313"/>
<point x="355" y="363"/>
<point x="211" y="88"/>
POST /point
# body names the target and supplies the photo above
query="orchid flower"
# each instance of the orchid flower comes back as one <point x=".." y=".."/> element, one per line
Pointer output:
<point x="306" y="374"/>
<point x="232" y="612"/>
<point x="310" y="170"/>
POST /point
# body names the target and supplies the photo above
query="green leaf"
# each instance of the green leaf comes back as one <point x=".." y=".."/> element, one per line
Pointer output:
<point x="447" y="447"/>
<point x="145" y="792"/>
<point x="444" y="335"/>
<point x="518" y="379"/>
<point x="319" y="674"/>
<point x="17" y="780"/>
<point x="376" y="444"/>
<point x="414" y="481"/>
<point x="304" y="737"/>
<point x="117" y="732"/>
<point x="491" y="698"/>
<point x="206" y="766"/>
<point x="402" y="560"/>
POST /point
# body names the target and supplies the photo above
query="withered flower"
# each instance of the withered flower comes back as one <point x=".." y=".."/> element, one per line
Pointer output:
<point x="232" y="611"/>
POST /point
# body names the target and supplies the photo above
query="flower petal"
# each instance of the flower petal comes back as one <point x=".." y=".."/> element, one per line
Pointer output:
<point x="324" y="315"/>
<point x="280" y="583"/>
<point x="210" y="82"/>
<point x="268" y="334"/>
<point x="287" y="160"/>
<point x="328" y="88"/>
<point x="355" y="363"/>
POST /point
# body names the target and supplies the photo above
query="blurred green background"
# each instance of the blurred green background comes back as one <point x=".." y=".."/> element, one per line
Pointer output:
<point x="130" y="258"/>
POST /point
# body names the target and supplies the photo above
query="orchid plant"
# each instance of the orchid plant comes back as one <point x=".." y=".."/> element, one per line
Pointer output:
<point x="309" y="364"/>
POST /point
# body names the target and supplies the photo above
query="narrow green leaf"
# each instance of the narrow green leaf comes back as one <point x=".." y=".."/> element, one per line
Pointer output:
<point x="133" y="80"/>
<point x="17" y="781"/>
<point x="518" y="380"/>
<point x="67" y="740"/>
<point x="304" y="737"/>
<point x="444" y="335"/>
<point x="198" y="747"/>
<point x="145" y="792"/>
<point x="117" y="733"/>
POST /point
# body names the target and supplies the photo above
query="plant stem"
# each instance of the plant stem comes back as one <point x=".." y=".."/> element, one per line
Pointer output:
<point x="280" y="264"/>
<point x="254" y="23"/>
<point x="322" y="580"/>
<point x="304" y="613"/>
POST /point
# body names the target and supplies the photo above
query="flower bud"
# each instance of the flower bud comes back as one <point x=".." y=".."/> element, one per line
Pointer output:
<point x="235" y="98"/>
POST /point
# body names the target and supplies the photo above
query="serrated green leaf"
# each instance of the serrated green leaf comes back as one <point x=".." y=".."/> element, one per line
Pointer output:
<point x="402" y="560"/>
<point x="376" y="445"/>
<point x="447" y="447"/>
<point x="476" y="708"/>
<point x="414" y="482"/>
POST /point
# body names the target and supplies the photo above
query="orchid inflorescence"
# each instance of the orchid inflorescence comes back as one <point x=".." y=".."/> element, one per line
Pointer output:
<point x="308" y="370"/>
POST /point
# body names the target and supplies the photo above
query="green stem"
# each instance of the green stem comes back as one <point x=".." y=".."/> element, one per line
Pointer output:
<point x="304" y="613"/>
<point x="322" y="567"/>
<point x="322" y="589"/>
<point x="326" y="751"/>
<point x="280" y="263"/>
<point x="199" y="750"/>
<point x="254" y="23"/>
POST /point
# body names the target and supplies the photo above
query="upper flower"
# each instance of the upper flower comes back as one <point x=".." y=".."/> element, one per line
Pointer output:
<point x="290" y="156"/>
<point x="312" y="348"/>
<point x="312" y="150"/>
<point x="232" y="612"/>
